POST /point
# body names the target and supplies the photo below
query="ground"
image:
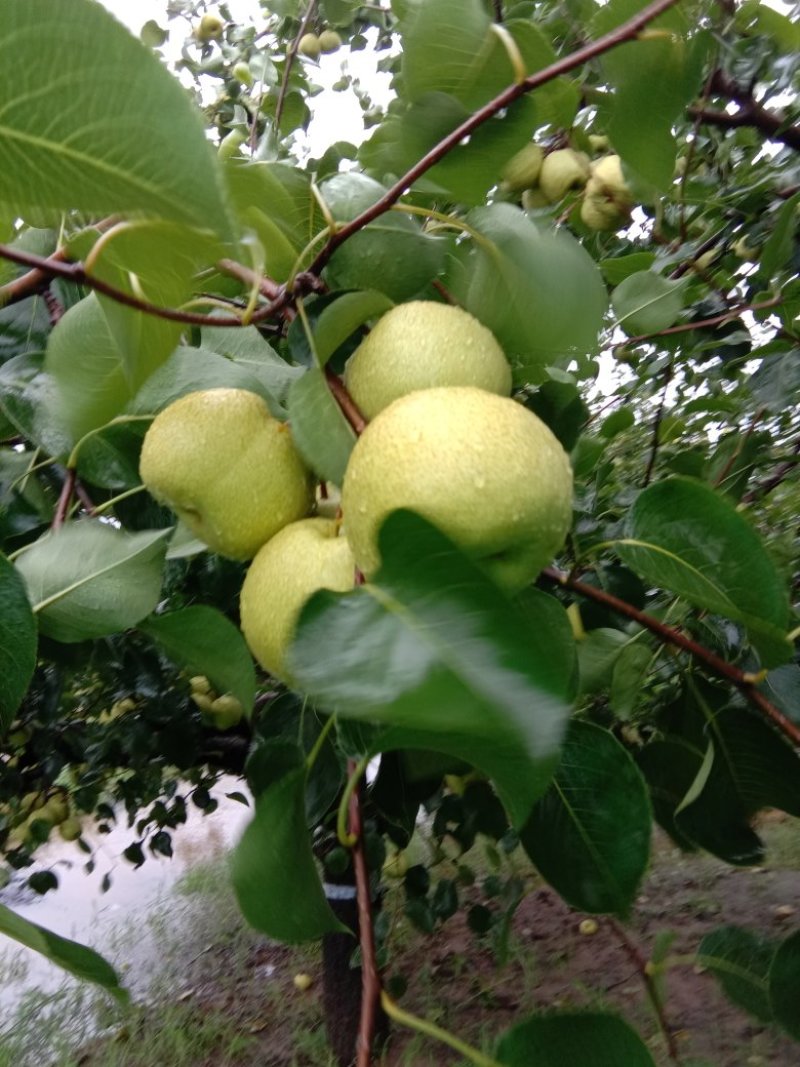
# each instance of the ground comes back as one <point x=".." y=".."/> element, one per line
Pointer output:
<point x="228" y="998"/>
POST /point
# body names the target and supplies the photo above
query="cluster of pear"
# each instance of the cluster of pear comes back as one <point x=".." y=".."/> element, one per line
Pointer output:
<point x="444" y="440"/>
<point x="221" y="711"/>
<point x="46" y="810"/>
<point x="313" y="45"/>
<point x="544" y="179"/>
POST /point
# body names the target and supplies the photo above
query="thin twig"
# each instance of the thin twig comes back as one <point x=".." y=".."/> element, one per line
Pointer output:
<point x="745" y="683"/>
<point x="699" y="324"/>
<point x="627" y="32"/>
<point x="64" y="500"/>
<point x="741" y="442"/>
<point x="768" y="484"/>
<point x="750" y="113"/>
<point x="345" y="401"/>
<point x="636" y="956"/>
<point x="370" y="979"/>
<point x="656" y="437"/>
<point x="290" y="57"/>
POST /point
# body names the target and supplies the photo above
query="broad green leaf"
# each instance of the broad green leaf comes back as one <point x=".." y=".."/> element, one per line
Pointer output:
<point x="445" y="45"/>
<point x="589" y="835"/>
<point x="29" y="399"/>
<point x="781" y="242"/>
<point x="537" y="290"/>
<point x="433" y="650"/>
<point x="89" y="579"/>
<point x="204" y="641"/>
<point x="645" y="302"/>
<point x="320" y="431"/>
<point x="740" y="961"/>
<point x="110" y="459"/>
<point x="91" y="120"/>
<point x="597" y="654"/>
<point x="191" y="369"/>
<point x="273" y="870"/>
<point x="78" y="959"/>
<point x="665" y="72"/>
<point x="784" y="981"/>
<point x="342" y="318"/>
<point x="689" y="539"/>
<point x="670" y="766"/>
<point x="18" y="640"/>
<point x="579" y="1038"/>
<point x="248" y="349"/>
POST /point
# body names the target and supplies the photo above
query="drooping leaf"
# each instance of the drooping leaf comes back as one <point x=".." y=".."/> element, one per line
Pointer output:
<point x="740" y="961"/>
<point x="78" y="959"/>
<point x="273" y="870"/>
<point x="89" y="579"/>
<point x="320" y="431"/>
<point x="784" y="981"/>
<point x="18" y="640"/>
<point x="589" y="835"/>
<point x="431" y="649"/>
<point x="559" y="1038"/>
<point x="114" y="133"/>
<point x="204" y="641"/>
<point x="29" y="399"/>
<point x="646" y="302"/>
<point x="537" y="290"/>
<point x="685" y="537"/>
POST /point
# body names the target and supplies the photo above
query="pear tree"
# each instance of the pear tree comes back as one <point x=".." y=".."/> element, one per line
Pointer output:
<point x="439" y="480"/>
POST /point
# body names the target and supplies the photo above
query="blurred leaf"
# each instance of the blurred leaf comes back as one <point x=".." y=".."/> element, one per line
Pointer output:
<point x="89" y="579"/>
<point x="119" y="135"/>
<point x="780" y="243"/>
<point x="434" y="651"/>
<point x="688" y="539"/>
<point x="627" y="679"/>
<point x="646" y="303"/>
<point x="589" y="835"/>
<point x="556" y="1039"/>
<point x="784" y="981"/>
<point x="740" y="961"/>
<point x="597" y="654"/>
<point x="29" y="398"/>
<point x="320" y="431"/>
<point x="273" y="870"/>
<point x="79" y="960"/>
<point x="538" y="291"/>
<point x="204" y="641"/>
<point x="18" y="640"/>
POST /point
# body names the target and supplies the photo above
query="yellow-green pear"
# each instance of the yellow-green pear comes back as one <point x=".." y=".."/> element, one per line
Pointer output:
<point x="226" y="711"/>
<point x="522" y="170"/>
<point x="561" y="171"/>
<point x="227" y="468"/>
<point x="484" y="469"/>
<point x="202" y="701"/>
<point x="243" y="74"/>
<point x="608" y="199"/>
<point x="70" y="829"/>
<point x="209" y="28"/>
<point x="309" y="46"/>
<point x="420" y="345"/>
<point x="302" y="558"/>
<point x="329" y="41"/>
<point x="598" y="142"/>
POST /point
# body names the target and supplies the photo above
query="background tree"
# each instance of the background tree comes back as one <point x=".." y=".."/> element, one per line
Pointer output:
<point x="611" y="190"/>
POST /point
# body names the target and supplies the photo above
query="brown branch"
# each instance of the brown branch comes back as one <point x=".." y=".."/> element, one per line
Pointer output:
<point x="627" y="32"/>
<point x="266" y="286"/>
<point x="745" y="683"/>
<point x="648" y="474"/>
<point x="290" y="57"/>
<point x="65" y="499"/>
<point x="699" y="324"/>
<point x="750" y="113"/>
<point x="636" y="957"/>
<point x="498" y="10"/>
<point x="370" y="979"/>
<point x="768" y="484"/>
<point x="345" y="401"/>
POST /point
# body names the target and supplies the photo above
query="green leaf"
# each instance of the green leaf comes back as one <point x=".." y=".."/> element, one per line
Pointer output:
<point x="204" y="641"/>
<point x="627" y="679"/>
<point x="784" y="981"/>
<point x="646" y="303"/>
<point x="444" y="44"/>
<point x="89" y="579"/>
<point x="589" y="835"/>
<point x="781" y="242"/>
<point x="320" y="431"/>
<point x="343" y="316"/>
<point x="685" y="537"/>
<point x="740" y="961"/>
<point x="18" y="640"/>
<point x="79" y="960"/>
<point x="274" y="874"/>
<point x="433" y="650"/>
<point x="29" y="399"/>
<point x="597" y="654"/>
<point x="115" y="132"/>
<point x="556" y="1039"/>
<point x="538" y="291"/>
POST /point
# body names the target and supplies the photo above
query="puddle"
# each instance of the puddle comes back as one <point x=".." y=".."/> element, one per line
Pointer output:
<point x="115" y="922"/>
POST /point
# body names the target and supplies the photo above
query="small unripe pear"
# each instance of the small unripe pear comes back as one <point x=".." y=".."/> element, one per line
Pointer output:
<point x="56" y="809"/>
<point x="209" y="28"/>
<point x="522" y="170"/>
<point x="226" y="711"/>
<point x="608" y="198"/>
<point x="200" y="684"/>
<point x="598" y="142"/>
<point x="309" y="46"/>
<point x="70" y="829"/>
<point x="302" y="982"/>
<point x="329" y="41"/>
<point x="243" y="74"/>
<point x="561" y="171"/>
<point x="203" y="702"/>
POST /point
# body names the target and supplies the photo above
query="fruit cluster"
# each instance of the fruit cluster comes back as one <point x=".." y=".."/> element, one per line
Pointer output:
<point x="444" y="439"/>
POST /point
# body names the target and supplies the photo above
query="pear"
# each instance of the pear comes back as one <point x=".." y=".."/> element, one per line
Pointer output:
<point x="329" y="41"/>
<point x="227" y="468"/>
<point x="561" y="171"/>
<point x="209" y="28"/>
<point x="420" y="345"/>
<point x="309" y="46"/>
<point x="522" y="170"/>
<point x="226" y="711"/>
<point x="304" y="557"/>
<point x="608" y="199"/>
<point x="484" y="469"/>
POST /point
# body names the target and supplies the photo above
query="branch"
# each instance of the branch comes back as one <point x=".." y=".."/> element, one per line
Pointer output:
<point x="750" y="113"/>
<point x="648" y="474"/>
<point x="627" y="32"/>
<point x="745" y="683"/>
<point x="774" y="480"/>
<point x="699" y="324"/>
<point x="370" y="980"/>
<point x="65" y="499"/>
<point x="636" y="957"/>
<point x="345" y="401"/>
<point x="290" y="57"/>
